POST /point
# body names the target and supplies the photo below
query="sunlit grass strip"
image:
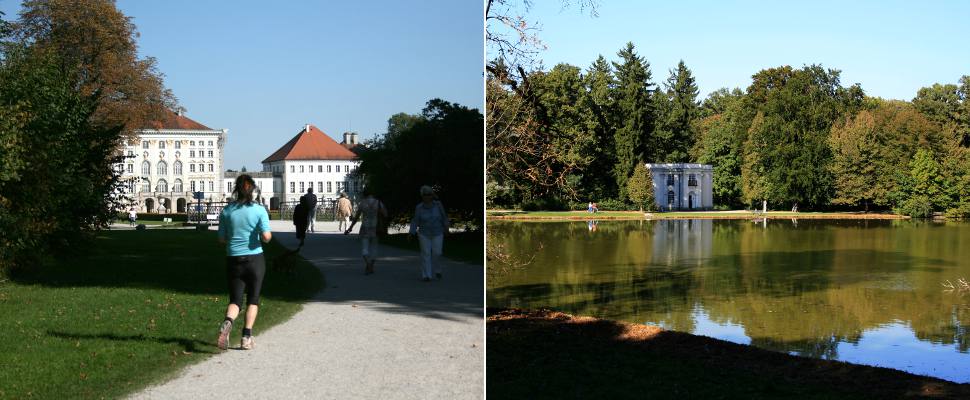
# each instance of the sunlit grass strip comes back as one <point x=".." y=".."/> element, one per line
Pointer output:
<point x="134" y="310"/>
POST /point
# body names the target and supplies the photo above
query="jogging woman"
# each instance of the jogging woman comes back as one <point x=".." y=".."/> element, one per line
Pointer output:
<point x="242" y="225"/>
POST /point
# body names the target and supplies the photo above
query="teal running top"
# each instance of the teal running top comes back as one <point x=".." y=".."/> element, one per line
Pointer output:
<point x="240" y="226"/>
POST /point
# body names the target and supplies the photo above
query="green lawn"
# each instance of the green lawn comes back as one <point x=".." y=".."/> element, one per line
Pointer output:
<point x="133" y="310"/>
<point x="464" y="246"/>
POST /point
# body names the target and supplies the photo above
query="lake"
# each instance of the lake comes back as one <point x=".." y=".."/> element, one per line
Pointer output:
<point x="863" y="291"/>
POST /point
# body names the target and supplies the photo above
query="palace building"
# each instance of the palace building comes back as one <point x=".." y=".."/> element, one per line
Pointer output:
<point x="170" y="160"/>
<point x="312" y="159"/>
<point x="682" y="186"/>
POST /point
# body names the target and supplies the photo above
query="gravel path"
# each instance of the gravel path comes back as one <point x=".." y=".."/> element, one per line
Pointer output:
<point x="383" y="336"/>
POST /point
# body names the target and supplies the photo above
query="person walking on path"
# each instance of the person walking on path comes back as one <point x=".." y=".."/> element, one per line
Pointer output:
<point x="311" y="201"/>
<point x="430" y="223"/>
<point x="300" y="219"/>
<point x="132" y="216"/>
<point x="242" y="224"/>
<point x="344" y="211"/>
<point x="369" y="211"/>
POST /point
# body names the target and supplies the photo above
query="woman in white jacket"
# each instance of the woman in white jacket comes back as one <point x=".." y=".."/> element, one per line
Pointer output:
<point x="430" y="223"/>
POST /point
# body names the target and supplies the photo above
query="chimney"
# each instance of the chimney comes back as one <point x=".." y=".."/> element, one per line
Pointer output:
<point x="179" y="112"/>
<point x="347" y="138"/>
<point x="353" y="138"/>
<point x="306" y="128"/>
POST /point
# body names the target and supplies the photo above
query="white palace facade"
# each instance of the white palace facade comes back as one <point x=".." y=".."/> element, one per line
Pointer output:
<point x="169" y="161"/>
<point x="682" y="186"/>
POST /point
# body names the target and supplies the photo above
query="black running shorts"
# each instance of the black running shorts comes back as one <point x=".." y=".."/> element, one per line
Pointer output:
<point x="245" y="273"/>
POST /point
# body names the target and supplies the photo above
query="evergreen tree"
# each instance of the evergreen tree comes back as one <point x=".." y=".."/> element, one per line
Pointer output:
<point x="635" y="121"/>
<point x="599" y="83"/>
<point x="677" y="108"/>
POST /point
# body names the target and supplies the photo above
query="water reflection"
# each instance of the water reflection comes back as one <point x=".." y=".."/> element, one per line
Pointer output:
<point x="816" y="288"/>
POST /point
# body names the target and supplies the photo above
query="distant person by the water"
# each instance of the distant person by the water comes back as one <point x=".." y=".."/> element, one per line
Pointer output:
<point x="344" y="211"/>
<point x="369" y="211"/>
<point x="589" y="207"/>
<point x="300" y="219"/>
<point x="242" y="225"/>
<point x="430" y="223"/>
<point x="311" y="201"/>
<point x="132" y="216"/>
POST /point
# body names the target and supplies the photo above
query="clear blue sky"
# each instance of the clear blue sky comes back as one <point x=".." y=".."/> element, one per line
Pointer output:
<point x="264" y="69"/>
<point x="892" y="48"/>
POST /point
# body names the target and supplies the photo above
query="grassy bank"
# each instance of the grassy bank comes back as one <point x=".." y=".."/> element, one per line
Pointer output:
<point x="132" y="311"/>
<point x="740" y="214"/>
<point x="549" y="355"/>
<point x="464" y="246"/>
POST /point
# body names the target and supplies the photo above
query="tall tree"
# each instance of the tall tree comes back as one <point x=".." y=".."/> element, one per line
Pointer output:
<point x="600" y="83"/>
<point x="99" y="40"/>
<point x="676" y="110"/>
<point x="635" y="121"/>
<point x="925" y="186"/>
<point x="719" y="139"/>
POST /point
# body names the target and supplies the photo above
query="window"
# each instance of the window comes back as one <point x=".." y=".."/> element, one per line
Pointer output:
<point x="691" y="180"/>
<point x="319" y="168"/>
<point x="228" y="187"/>
<point x="301" y="168"/>
<point x="292" y="187"/>
<point x="302" y="187"/>
<point x="161" y="144"/>
<point x="211" y="168"/>
<point x="146" y="185"/>
<point x="162" y="168"/>
<point x="131" y="168"/>
<point x="670" y="179"/>
<point x="320" y="187"/>
<point x="131" y="153"/>
<point x="146" y="168"/>
<point x="193" y="186"/>
<point x="178" y="153"/>
<point x="210" y="144"/>
<point x="670" y="198"/>
<point x="177" y="167"/>
<point x="192" y="143"/>
<point x="144" y="144"/>
<point x="328" y="169"/>
<point x="191" y="167"/>
<point x="191" y="153"/>
<point x="338" y="186"/>
<point x="212" y="186"/>
<point x="292" y="168"/>
<point x="329" y="187"/>
<point x="210" y="153"/>
<point x="346" y="169"/>
<point x="162" y="186"/>
<point x="177" y="186"/>
<point x="178" y="144"/>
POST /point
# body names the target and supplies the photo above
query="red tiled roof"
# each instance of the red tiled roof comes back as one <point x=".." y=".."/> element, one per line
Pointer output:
<point x="311" y="144"/>
<point x="172" y="120"/>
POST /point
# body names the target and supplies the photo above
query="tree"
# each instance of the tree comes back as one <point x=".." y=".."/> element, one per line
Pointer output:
<point x="677" y="109"/>
<point x="98" y="42"/>
<point x="57" y="179"/>
<point x="635" y="121"/>
<point x="442" y="150"/>
<point x="599" y="83"/>
<point x="640" y="187"/>
<point x="924" y="187"/>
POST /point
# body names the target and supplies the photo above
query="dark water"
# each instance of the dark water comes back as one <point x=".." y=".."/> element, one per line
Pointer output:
<point x="867" y="292"/>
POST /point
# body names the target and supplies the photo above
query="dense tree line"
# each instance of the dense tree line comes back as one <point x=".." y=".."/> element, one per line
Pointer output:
<point x="71" y="90"/>
<point x="794" y="137"/>
<point x="441" y="148"/>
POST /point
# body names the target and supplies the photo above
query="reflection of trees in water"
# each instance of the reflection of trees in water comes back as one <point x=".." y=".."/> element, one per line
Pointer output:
<point x="792" y="288"/>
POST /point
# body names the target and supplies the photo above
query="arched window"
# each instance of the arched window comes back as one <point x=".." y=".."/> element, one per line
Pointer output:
<point x="177" y="186"/>
<point x="146" y="185"/>
<point x="162" y="186"/>
<point x="177" y="167"/>
<point x="146" y="168"/>
<point x="162" y="168"/>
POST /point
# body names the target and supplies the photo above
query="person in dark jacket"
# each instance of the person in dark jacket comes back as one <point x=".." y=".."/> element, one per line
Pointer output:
<point x="301" y="219"/>
<point x="311" y="204"/>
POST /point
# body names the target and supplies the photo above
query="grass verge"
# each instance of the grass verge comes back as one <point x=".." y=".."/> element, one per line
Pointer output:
<point x="131" y="311"/>
<point x="550" y="355"/>
<point x="463" y="246"/>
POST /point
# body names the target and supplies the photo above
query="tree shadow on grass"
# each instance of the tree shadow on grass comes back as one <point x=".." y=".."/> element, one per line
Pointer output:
<point x="188" y="345"/>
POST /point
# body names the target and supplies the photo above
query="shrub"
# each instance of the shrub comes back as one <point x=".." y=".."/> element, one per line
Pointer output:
<point x="553" y="204"/>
